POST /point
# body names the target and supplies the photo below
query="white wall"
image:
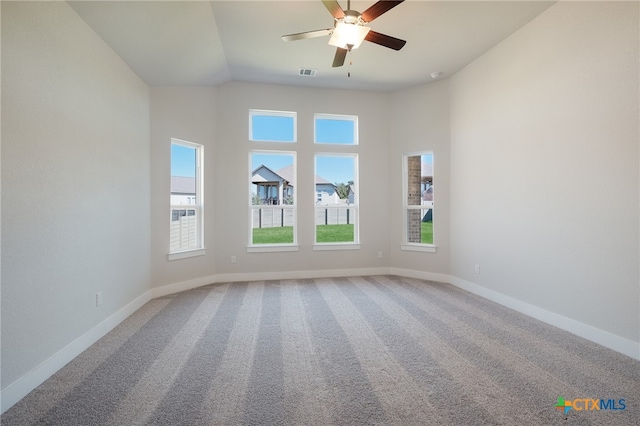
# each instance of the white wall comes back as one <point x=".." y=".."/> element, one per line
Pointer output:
<point x="186" y="113"/>
<point x="75" y="183"/>
<point x="420" y="122"/>
<point x="232" y="176"/>
<point x="544" y="166"/>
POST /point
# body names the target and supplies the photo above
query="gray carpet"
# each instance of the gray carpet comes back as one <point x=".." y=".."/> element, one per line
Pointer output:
<point x="380" y="350"/>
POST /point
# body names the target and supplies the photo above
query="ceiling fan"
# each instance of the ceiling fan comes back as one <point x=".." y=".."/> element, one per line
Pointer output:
<point x="350" y="30"/>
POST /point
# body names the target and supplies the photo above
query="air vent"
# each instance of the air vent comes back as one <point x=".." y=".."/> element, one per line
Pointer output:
<point x="308" y="72"/>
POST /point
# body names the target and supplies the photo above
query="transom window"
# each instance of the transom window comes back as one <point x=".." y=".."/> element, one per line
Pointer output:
<point x="272" y="126"/>
<point x="336" y="129"/>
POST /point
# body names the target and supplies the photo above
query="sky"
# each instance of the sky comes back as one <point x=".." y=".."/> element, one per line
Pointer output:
<point x="281" y="128"/>
<point x="183" y="161"/>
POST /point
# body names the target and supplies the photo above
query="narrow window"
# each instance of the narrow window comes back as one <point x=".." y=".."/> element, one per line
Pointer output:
<point x="336" y="129"/>
<point x="272" y="198"/>
<point x="272" y="126"/>
<point x="186" y="224"/>
<point x="418" y="195"/>
<point x="336" y="198"/>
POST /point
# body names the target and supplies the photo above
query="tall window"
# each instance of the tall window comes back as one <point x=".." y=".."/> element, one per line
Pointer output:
<point x="418" y="195"/>
<point x="272" y="198"/>
<point x="336" y="181"/>
<point x="272" y="182"/>
<point x="186" y="223"/>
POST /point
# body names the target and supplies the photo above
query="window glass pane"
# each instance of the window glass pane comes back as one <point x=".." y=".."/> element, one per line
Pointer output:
<point x="275" y="127"/>
<point x="419" y="198"/>
<point x="420" y="226"/>
<point x="419" y="179"/>
<point x="186" y="223"/>
<point x="272" y="198"/>
<point x="336" y="198"/>
<point x="335" y="130"/>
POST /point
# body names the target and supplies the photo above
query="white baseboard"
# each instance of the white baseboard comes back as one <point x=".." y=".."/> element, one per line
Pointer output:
<point x="299" y="275"/>
<point x="421" y="275"/>
<point x="182" y="286"/>
<point x="21" y="387"/>
<point x="25" y="384"/>
<point x="596" y="335"/>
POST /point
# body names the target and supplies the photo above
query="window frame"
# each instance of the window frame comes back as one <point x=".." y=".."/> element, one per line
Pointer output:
<point x="406" y="207"/>
<point x="341" y="117"/>
<point x="346" y="245"/>
<point x="273" y="113"/>
<point x="198" y="206"/>
<point x="274" y="247"/>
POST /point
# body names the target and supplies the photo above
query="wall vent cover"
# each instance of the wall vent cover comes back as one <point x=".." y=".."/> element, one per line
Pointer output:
<point x="308" y="72"/>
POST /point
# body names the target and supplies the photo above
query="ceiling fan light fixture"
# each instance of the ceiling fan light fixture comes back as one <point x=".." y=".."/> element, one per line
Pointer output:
<point x="346" y="35"/>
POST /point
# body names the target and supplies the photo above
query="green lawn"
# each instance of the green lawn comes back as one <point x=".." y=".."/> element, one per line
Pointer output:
<point x="426" y="236"/>
<point x="284" y="235"/>
<point x="281" y="235"/>
<point x="325" y="234"/>
<point x="334" y="233"/>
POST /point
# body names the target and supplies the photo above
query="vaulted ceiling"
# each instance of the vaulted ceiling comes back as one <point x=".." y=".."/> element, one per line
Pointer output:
<point x="204" y="43"/>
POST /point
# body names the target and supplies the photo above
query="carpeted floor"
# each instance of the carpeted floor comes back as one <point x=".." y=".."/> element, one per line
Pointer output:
<point x="362" y="350"/>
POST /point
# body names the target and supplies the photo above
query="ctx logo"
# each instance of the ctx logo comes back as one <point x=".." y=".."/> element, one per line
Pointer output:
<point x="589" y="404"/>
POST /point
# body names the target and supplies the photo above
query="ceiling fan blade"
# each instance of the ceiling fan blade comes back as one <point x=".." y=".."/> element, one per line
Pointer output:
<point x="307" y="34"/>
<point x="385" y="40"/>
<point x="334" y="8"/>
<point x="378" y="9"/>
<point x="341" y="55"/>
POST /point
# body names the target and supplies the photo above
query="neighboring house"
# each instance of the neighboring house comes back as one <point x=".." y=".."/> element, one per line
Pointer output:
<point x="183" y="190"/>
<point x="274" y="187"/>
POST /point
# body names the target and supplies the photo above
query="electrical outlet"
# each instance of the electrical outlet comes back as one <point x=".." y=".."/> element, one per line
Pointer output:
<point x="99" y="298"/>
<point x="379" y="255"/>
<point x="476" y="269"/>
<point x="233" y="259"/>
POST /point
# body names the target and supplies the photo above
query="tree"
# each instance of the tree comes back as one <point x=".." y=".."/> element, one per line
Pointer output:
<point x="343" y="189"/>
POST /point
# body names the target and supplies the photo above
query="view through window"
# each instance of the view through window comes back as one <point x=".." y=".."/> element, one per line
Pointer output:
<point x="273" y="183"/>
<point x="418" y="198"/>
<point x="336" y="198"/>
<point x="186" y="197"/>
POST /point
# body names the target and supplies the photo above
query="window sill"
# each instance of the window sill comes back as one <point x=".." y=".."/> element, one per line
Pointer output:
<point x="425" y="248"/>
<point x="328" y="247"/>
<point x="271" y="248"/>
<point x="185" y="254"/>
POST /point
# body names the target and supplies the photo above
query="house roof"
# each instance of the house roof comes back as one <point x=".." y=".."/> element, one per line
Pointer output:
<point x="183" y="185"/>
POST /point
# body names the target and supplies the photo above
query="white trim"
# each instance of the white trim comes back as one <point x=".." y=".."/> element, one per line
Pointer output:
<point x="596" y="335"/>
<point x="25" y="384"/>
<point x="272" y="248"/>
<point x="427" y="248"/>
<point x="421" y="275"/>
<point x="270" y="113"/>
<point x="181" y="286"/>
<point x="406" y="207"/>
<point x="199" y="196"/>
<point x="296" y="275"/>
<point x="337" y="117"/>
<point x="34" y="378"/>
<point x="335" y="246"/>
<point x="187" y="253"/>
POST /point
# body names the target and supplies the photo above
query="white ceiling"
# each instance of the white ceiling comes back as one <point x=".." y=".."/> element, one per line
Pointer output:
<point x="203" y="43"/>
